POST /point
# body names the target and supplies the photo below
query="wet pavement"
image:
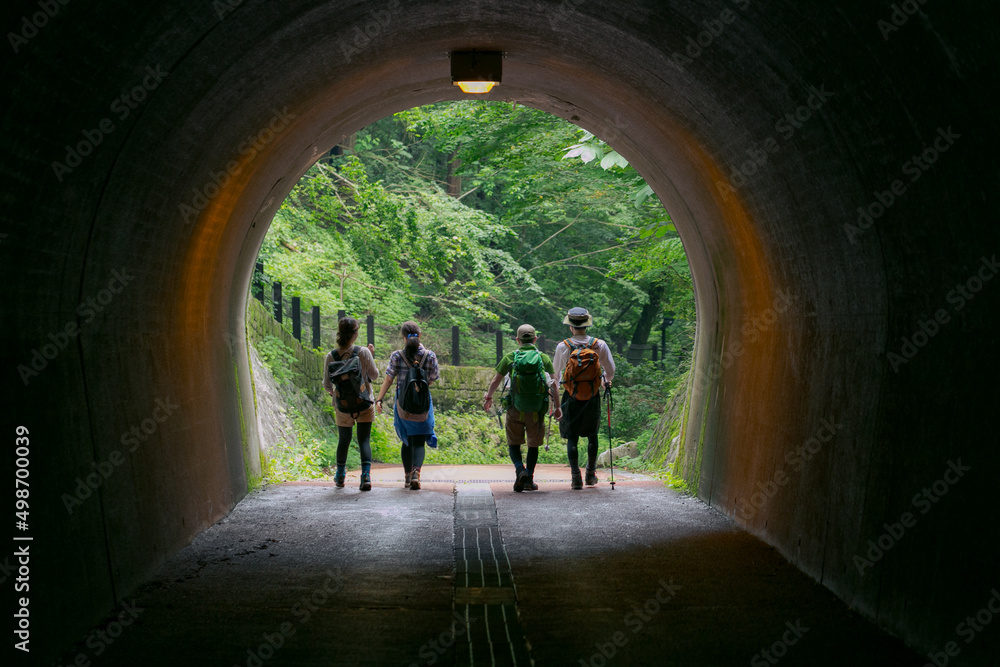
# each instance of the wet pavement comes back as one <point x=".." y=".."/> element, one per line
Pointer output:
<point x="468" y="572"/>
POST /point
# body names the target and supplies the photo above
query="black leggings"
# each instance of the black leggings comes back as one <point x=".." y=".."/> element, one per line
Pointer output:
<point x="364" y="442"/>
<point x="412" y="452"/>
<point x="515" y="456"/>
<point x="574" y="456"/>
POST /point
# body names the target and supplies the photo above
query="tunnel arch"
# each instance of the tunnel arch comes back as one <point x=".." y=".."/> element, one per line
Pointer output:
<point x="774" y="249"/>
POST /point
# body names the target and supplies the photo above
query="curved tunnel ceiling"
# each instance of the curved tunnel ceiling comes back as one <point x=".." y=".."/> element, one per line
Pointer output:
<point x="762" y="127"/>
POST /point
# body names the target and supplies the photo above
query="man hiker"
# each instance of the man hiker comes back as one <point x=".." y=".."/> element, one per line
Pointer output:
<point x="585" y="366"/>
<point x="532" y="396"/>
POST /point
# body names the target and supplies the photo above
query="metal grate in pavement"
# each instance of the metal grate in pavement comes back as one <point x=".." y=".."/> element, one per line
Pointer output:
<point x="485" y="595"/>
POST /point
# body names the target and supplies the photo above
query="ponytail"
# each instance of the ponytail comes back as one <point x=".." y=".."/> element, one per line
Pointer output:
<point x="411" y="333"/>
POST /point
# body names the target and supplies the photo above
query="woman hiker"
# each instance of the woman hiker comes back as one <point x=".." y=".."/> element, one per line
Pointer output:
<point x="414" y="430"/>
<point x="347" y="333"/>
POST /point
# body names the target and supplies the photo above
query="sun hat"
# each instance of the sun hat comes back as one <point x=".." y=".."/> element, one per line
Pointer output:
<point x="578" y="317"/>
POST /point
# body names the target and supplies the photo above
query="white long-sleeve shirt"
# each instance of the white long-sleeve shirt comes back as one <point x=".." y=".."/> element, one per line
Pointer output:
<point x="561" y="356"/>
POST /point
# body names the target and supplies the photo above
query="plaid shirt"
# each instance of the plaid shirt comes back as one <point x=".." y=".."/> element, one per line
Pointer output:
<point x="398" y="365"/>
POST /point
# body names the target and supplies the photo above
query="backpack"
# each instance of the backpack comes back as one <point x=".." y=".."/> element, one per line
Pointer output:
<point x="415" y="395"/>
<point x="352" y="395"/>
<point x="583" y="370"/>
<point x="529" y="390"/>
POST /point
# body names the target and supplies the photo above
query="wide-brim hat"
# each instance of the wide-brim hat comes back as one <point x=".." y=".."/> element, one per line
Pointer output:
<point x="526" y="333"/>
<point x="578" y="317"/>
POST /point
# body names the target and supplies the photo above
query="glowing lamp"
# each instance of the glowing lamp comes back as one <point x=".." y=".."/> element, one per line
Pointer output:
<point x="476" y="72"/>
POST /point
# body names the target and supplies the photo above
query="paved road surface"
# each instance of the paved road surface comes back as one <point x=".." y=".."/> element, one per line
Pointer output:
<point x="468" y="572"/>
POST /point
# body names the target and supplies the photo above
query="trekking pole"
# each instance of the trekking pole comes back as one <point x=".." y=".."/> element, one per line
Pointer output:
<point x="611" y="449"/>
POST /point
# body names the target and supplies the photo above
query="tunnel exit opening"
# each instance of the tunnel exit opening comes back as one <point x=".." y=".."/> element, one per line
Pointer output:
<point x="471" y="218"/>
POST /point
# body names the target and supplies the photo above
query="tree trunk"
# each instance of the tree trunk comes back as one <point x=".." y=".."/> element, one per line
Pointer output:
<point x="640" y="335"/>
<point x="454" y="182"/>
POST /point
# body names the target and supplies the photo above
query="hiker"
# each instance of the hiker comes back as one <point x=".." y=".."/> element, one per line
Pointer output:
<point x="354" y="368"/>
<point x="415" y="368"/>
<point x="585" y="365"/>
<point x="533" y="395"/>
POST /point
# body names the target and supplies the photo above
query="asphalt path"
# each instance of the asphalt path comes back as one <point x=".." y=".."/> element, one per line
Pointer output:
<point x="466" y="571"/>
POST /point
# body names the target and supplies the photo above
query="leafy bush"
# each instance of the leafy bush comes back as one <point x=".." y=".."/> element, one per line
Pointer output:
<point x="277" y="356"/>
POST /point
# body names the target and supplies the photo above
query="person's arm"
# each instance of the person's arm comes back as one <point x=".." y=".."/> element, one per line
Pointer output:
<point x="390" y="375"/>
<point x="488" y="396"/>
<point x="368" y="366"/>
<point x="607" y="363"/>
<point x="433" y="370"/>
<point x="559" y="361"/>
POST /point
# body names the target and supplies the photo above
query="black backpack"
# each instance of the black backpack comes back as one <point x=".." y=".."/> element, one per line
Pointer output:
<point x="415" y="394"/>
<point x="352" y="396"/>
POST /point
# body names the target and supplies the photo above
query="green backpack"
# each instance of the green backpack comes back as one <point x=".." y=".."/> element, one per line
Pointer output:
<point x="527" y="386"/>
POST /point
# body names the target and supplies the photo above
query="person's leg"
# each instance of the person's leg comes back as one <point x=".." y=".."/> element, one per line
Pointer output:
<point x="574" y="462"/>
<point x="406" y="453"/>
<point x="417" y="459"/>
<point x="364" y="446"/>
<point x="592" y="459"/>
<point x="515" y="458"/>
<point x="344" y="433"/>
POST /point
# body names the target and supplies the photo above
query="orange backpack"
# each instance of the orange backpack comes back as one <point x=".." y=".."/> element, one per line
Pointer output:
<point x="583" y="370"/>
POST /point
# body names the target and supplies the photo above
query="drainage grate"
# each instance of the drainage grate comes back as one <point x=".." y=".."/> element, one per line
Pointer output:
<point x="485" y="595"/>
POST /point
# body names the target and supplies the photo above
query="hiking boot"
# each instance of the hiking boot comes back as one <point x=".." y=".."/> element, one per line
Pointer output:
<point x="366" y="481"/>
<point x="338" y="480"/>
<point x="415" y="480"/>
<point x="591" y="477"/>
<point x="522" y="476"/>
<point x="406" y="479"/>
<point x="529" y="483"/>
<point x="577" y="482"/>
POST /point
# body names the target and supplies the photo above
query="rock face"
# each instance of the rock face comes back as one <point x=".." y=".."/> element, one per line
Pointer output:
<point x="273" y="422"/>
<point x="629" y="449"/>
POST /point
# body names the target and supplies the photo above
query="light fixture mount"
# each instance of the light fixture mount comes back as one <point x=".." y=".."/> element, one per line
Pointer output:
<point x="476" y="72"/>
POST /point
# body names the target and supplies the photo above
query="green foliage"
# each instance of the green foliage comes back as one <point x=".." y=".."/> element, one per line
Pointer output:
<point x="277" y="356"/>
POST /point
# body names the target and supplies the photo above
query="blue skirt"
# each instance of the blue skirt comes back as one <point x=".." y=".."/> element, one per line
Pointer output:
<point x="405" y="428"/>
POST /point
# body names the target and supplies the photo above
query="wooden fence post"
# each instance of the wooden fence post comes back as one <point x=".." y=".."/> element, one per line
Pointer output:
<point x="276" y="295"/>
<point x="370" y="324"/>
<point x="297" y="318"/>
<point x="499" y="347"/>
<point x="316" y="341"/>
<point x="341" y="314"/>
<point x="258" y="288"/>
<point x="541" y="343"/>
<point x="455" y="359"/>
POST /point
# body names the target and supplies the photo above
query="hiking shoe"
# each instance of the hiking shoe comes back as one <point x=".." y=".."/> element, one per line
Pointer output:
<point x="338" y="481"/>
<point x="529" y="483"/>
<point x="415" y="480"/>
<point x="577" y="482"/>
<point x="522" y="476"/>
<point x="366" y="481"/>
<point x="406" y="479"/>
<point x="591" y="478"/>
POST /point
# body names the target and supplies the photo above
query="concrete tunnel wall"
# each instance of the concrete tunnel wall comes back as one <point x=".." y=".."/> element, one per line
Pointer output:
<point x="796" y="317"/>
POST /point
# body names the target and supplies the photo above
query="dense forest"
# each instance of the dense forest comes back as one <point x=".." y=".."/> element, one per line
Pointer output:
<point x="485" y="215"/>
<point x="494" y="214"/>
